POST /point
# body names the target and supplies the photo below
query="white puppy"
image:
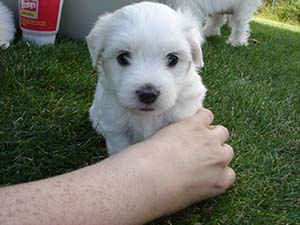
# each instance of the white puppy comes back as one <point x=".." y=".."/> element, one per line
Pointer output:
<point x="7" y="26"/>
<point x="147" y="55"/>
<point x="212" y="15"/>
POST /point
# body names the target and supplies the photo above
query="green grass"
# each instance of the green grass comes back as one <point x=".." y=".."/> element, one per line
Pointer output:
<point x="287" y="11"/>
<point x="44" y="96"/>
<point x="254" y="91"/>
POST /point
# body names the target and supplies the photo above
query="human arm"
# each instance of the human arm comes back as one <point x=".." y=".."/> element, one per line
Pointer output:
<point x="180" y="165"/>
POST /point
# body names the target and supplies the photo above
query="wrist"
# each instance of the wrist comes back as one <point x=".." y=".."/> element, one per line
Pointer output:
<point x="158" y="176"/>
<point x="135" y="167"/>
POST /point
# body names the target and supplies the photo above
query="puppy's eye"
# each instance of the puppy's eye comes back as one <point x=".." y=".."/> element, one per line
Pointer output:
<point x="123" y="58"/>
<point x="172" y="60"/>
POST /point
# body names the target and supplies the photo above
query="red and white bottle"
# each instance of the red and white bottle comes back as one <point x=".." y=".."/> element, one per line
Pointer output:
<point x="39" y="20"/>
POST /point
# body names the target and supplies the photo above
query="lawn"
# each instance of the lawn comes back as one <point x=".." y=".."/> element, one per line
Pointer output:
<point x="287" y="11"/>
<point x="254" y="91"/>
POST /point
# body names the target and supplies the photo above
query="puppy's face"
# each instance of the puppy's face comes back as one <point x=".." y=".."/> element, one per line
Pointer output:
<point x="146" y="51"/>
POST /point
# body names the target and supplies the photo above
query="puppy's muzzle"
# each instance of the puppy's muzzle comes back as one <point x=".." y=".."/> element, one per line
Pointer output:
<point x="147" y="94"/>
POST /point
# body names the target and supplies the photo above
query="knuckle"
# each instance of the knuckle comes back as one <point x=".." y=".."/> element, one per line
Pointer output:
<point x="224" y="130"/>
<point x="207" y="114"/>
<point x="231" y="176"/>
<point x="228" y="153"/>
<point x="222" y="184"/>
<point x="224" y="161"/>
<point x="222" y="157"/>
<point x="226" y="181"/>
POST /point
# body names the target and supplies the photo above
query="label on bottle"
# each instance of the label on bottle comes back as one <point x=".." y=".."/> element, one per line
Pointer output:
<point x="39" y="15"/>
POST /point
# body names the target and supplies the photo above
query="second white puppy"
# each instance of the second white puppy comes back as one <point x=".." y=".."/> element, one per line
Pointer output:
<point x="211" y="14"/>
<point x="7" y="26"/>
<point x="146" y="55"/>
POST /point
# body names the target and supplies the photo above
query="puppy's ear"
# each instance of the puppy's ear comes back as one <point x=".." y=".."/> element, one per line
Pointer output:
<point x="195" y="40"/>
<point x="95" y="39"/>
<point x="193" y="36"/>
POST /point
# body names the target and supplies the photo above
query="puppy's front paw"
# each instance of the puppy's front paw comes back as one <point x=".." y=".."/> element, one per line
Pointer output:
<point x="237" y="42"/>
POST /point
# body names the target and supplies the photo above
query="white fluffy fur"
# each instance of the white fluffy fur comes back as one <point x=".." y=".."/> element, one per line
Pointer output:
<point x="149" y="31"/>
<point x="7" y="26"/>
<point x="212" y="15"/>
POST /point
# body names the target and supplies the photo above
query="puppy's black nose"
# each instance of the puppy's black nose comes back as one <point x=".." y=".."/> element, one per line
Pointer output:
<point x="147" y="94"/>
